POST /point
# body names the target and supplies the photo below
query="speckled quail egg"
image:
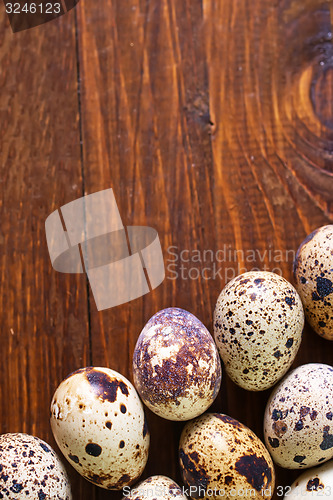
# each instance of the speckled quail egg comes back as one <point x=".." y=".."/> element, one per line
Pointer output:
<point x="221" y="458"/>
<point x="258" y="324"/>
<point x="313" y="272"/>
<point x="30" y="469"/>
<point x="298" y="422"/>
<point x="176" y="366"/>
<point x="98" y="422"/>
<point x="155" y="487"/>
<point x="313" y="483"/>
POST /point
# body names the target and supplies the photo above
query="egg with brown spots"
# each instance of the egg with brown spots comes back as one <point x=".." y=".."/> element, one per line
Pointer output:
<point x="313" y="483"/>
<point x="221" y="458"/>
<point x="313" y="273"/>
<point x="176" y="366"/>
<point x="298" y="422"/>
<point x="99" y="424"/>
<point x="258" y="324"/>
<point x="155" y="487"/>
<point x="31" y="469"/>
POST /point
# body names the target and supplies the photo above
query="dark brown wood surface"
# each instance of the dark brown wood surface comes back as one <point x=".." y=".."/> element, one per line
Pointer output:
<point x="213" y="123"/>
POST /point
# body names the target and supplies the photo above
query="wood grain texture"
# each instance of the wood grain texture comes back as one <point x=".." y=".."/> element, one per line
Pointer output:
<point x="44" y="320"/>
<point x="213" y="122"/>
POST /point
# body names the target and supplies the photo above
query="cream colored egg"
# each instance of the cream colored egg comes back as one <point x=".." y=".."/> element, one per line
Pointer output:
<point x="155" y="487"/>
<point x="313" y="483"/>
<point x="258" y="324"/>
<point x="176" y="366"/>
<point x="313" y="272"/>
<point x="221" y="458"/>
<point x="98" y="422"/>
<point x="30" y="469"/>
<point x="298" y="422"/>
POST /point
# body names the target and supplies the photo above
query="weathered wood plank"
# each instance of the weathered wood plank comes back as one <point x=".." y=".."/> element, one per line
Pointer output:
<point x="44" y="327"/>
<point x="212" y="122"/>
<point x="266" y="67"/>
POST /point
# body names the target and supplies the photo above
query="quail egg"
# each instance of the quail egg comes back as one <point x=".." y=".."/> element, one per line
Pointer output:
<point x="298" y="422"/>
<point x="258" y="324"/>
<point x="31" y="469"/>
<point x="313" y="272"/>
<point x="98" y="422"/>
<point x="155" y="487"/>
<point x="316" y="482"/>
<point x="221" y="458"/>
<point x="176" y="366"/>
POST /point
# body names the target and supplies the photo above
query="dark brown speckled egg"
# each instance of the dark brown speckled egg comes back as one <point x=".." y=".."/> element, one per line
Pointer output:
<point x="298" y="422"/>
<point x="313" y="483"/>
<point x="221" y="458"/>
<point x="99" y="424"/>
<point x="258" y="324"/>
<point x="313" y="272"/>
<point x="176" y="366"/>
<point x="30" y="469"/>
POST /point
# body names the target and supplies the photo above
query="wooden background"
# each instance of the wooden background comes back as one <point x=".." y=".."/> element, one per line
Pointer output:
<point x="212" y="121"/>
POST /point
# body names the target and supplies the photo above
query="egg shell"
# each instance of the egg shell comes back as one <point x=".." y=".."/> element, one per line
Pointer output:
<point x="298" y="421"/>
<point x="313" y="483"/>
<point x="176" y="366"/>
<point x="155" y="487"/>
<point x="98" y="422"/>
<point x="221" y="458"/>
<point x="30" y="469"/>
<point x="313" y="273"/>
<point x="258" y="324"/>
